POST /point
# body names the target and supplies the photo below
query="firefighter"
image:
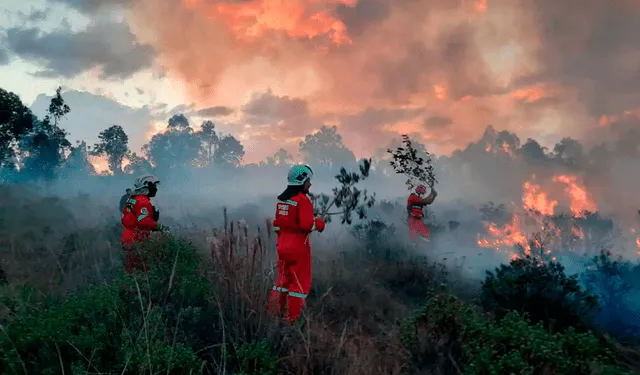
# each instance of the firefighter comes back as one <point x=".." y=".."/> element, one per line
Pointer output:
<point x="415" y="209"/>
<point x="294" y="221"/>
<point x="138" y="221"/>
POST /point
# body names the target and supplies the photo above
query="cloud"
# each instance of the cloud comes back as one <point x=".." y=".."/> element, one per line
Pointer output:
<point x="437" y="122"/>
<point x="4" y="57"/>
<point x="92" y="6"/>
<point x="92" y="113"/>
<point x="213" y="111"/>
<point x="110" y="47"/>
<point x="543" y="69"/>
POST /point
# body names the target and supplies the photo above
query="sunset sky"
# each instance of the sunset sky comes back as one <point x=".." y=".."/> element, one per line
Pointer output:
<point x="271" y="71"/>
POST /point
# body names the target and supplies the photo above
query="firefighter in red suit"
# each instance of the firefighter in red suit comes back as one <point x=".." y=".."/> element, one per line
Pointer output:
<point x="293" y="223"/>
<point x="139" y="218"/>
<point x="415" y="207"/>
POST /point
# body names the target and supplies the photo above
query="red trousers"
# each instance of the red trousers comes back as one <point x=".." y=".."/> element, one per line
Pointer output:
<point x="417" y="228"/>
<point x="293" y="282"/>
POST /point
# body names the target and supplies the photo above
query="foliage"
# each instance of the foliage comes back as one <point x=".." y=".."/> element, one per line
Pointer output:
<point x="615" y="282"/>
<point x="405" y="160"/>
<point x="16" y="120"/>
<point x="463" y="340"/>
<point x="326" y="148"/>
<point x="347" y="197"/>
<point x="45" y="146"/>
<point x="540" y="289"/>
<point x="114" y="144"/>
<point x="229" y="152"/>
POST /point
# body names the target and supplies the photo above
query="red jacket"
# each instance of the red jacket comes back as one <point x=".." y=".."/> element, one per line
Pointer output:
<point x="137" y="219"/>
<point x="414" y="205"/>
<point x="294" y="221"/>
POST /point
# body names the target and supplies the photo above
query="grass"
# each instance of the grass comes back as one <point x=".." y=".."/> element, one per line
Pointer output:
<point x="67" y="308"/>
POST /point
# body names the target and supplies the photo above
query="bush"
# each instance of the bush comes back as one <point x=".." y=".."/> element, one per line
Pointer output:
<point x="128" y="325"/>
<point x="616" y="283"/>
<point x="458" y="338"/>
<point x="540" y="289"/>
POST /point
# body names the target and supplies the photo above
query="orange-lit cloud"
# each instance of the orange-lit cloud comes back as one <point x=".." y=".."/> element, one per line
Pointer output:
<point x="465" y="64"/>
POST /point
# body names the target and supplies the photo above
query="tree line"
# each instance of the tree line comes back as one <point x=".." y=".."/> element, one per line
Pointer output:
<point x="32" y="148"/>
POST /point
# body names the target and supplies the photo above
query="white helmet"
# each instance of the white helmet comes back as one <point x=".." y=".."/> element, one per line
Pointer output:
<point x="298" y="174"/>
<point x="145" y="181"/>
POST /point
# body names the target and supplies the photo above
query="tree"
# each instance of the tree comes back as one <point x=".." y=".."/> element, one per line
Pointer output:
<point x="114" y="144"/>
<point x="45" y="147"/>
<point x="137" y="165"/>
<point x="179" y="121"/>
<point x="78" y="160"/>
<point x="177" y="147"/>
<point x="209" y="139"/>
<point x="279" y="158"/>
<point x="229" y="152"/>
<point x="569" y="152"/>
<point x="325" y="147"/>
<point x="16" y="120"/>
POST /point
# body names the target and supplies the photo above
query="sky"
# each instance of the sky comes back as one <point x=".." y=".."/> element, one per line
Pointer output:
<point x="271" y="71"/>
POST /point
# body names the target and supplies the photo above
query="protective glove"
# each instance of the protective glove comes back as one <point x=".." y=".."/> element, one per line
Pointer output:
<point x="320" y="224"/>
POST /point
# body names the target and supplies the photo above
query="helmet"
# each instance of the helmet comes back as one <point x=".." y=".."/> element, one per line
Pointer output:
<point x="298" y="174"/>
<point x="421" y="189"/>
<point x="145" y="181"/>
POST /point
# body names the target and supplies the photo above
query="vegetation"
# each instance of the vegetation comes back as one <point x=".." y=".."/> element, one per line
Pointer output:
<point x="376" y="306"/>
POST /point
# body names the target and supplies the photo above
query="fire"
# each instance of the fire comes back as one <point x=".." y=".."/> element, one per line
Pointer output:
<point x="529" y="95"/>
<point x="440" y="92"/>
<point x="297" y="18"/>
<point x="506" y="237"/>
<point x="504" y="147"/>
<point x="535" y="199"/>
<point x="481" y="6"/>
<point x="580" y="202"/>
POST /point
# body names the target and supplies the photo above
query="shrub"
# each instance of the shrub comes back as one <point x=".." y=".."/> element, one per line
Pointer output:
<point x="616" y="284"/>
<point x="457" y="338"/>
<point x="540" y="289"/>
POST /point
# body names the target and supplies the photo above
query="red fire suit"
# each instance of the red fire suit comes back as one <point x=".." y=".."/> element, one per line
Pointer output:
<point x="293" y="223"/>
<point x="416" y="225"/>
<point x="138" y="222"/>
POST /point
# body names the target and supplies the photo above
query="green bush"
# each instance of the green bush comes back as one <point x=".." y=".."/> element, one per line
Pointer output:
<point x="457" y="337"/>
<point x="540" y="289"/>
<point x="142" y="323"/>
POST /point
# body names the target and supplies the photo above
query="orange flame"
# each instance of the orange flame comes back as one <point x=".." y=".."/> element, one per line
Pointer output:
<point x="578" y="194"/>
<point x="536" y="199"/>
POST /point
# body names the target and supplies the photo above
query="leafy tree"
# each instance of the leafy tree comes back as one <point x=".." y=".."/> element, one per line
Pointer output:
<point x="540" y="289"/>
<point x="326" y="147"/>
<point x="177" y="147"/>
<point x="229" y="152"/>
<point x="137" y="165"/>
<point x="179" y="121"/>
<point x="279" y="158"/>
<point x="209" y="139"/>
<point x="114" y="144"/>
<point x="46" y="145"/>
<point x="569" y="152"/>
<point x="78" y="160"/>
<point x="16" y="120"/>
